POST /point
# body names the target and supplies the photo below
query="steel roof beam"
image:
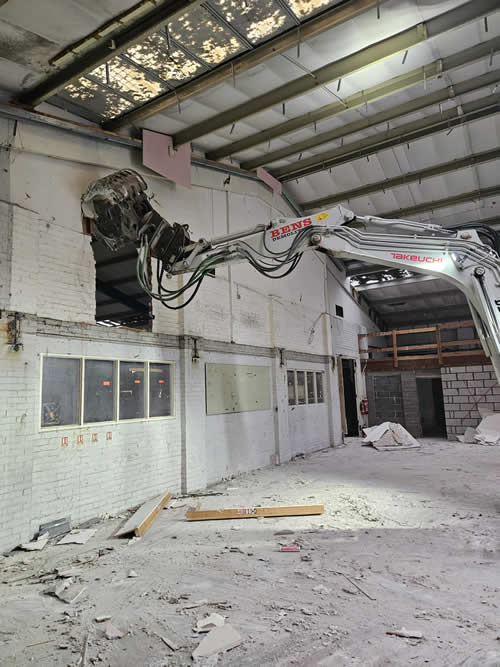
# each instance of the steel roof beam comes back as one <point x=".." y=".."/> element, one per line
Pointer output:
<point x="405" y="179"/>
<point x="126" y="299"/>
<point x="444" y="203"/>
<point x="370" y="55"/>
<point x="360" y="270"/>
<point x="113" y="45"/>
<point x="403" y="134"/>
<point x="240" y="64"/>
<point x="412" y="297"/>
<point x="420" y="75"/>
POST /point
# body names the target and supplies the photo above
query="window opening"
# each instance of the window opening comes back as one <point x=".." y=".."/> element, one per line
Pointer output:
<point x="99" y="391"/>
<point x="60" y="391"/>
<point x="132" y="376"/>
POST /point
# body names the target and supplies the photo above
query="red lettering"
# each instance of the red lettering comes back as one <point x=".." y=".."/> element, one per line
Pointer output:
<point x="413" y="258"/>
<point x="307" y="221"/>
<point x="296" y="225"/>
<point x="275" y="233"/>
<point x="285" y="229"/>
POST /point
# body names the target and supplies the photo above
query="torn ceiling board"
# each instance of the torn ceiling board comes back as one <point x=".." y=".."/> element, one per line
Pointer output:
<point x="159" y="154"/>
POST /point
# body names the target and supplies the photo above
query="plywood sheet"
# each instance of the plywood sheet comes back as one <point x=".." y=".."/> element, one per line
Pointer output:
<point x="237" y="388"/>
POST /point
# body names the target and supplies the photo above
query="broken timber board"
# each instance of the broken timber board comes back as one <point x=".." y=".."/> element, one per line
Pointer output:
<point x="140" y="521"/>
<point x="254" y="512"/>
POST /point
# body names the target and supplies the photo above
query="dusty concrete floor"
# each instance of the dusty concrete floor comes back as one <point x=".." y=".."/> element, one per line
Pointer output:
<point x="416" y="530"/>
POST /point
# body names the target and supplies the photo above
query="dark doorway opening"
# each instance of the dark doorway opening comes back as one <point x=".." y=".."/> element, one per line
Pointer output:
<point x="120" y="299"/>
<point x="350" y="401"/>
<point x="431" y="405"/>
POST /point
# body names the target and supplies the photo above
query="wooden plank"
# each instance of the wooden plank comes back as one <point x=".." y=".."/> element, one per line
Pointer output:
<point x="375" y="333"/>
<point x="439" y="347"/>
<point x="421" y="356"/>
<point x="421" y="330"/>
<point x="405" y="348"/>
<point x="140" y="521"/>
<point x="455" y="343"/>
<point x="254" y="512"/>
<point x="463" y="353"/>
<point x="395" y="348"/>
<point x="340" y="375"/>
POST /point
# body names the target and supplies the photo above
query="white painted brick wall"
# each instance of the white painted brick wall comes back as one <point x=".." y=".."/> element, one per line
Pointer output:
<point x="52" y="276"/>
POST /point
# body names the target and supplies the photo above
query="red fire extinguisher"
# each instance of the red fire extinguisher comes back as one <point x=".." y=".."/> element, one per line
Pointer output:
<point x="364" y="406"/>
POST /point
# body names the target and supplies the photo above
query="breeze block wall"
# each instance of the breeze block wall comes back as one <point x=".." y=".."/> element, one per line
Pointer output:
<point x="392" y="396"/>
<point x="465" y="388"/>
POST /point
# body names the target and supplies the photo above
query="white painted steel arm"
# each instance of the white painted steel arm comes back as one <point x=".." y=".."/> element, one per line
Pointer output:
<point x="458" y="256"/>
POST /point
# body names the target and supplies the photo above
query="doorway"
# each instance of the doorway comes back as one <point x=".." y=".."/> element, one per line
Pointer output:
<point x="431" y="405"/>
<point x="350" y="400"/>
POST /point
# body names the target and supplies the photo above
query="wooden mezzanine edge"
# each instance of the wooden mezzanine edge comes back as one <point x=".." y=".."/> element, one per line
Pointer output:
<point x="440" y="357"/>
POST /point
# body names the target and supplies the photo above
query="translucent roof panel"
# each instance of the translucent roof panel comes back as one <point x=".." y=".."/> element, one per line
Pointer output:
<point x="100" y="100"/>
<point x="303" y="9"/>
<point x="201" y="34"/>
<point x="166" y="60"/>
<point x="256" y="21"/>
<point x="124" y="77"/>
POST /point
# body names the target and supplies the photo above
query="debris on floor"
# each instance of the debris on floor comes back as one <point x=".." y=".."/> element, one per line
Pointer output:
<point x="468" y="436"/>
<point x="209" y="623"/>
<point x="67" y="591"/>
<point x="140" y="521"/>
<point x="407" y="634"/>
<point x="56" y="527"/>
<point x="218" y="640"/>
<point x="389" y="436"/>
<point x="78" y="536"/>
<point x="254" y="512"/>
<point x="387" y="555"/>
<point x="112" y="632"/>
<point x="488" y="431"/>
<point x="36" y="545"/>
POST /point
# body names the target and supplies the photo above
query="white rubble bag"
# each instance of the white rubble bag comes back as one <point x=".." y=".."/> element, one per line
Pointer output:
<point x="389" y="436"/>
<point x="488" y="431"/>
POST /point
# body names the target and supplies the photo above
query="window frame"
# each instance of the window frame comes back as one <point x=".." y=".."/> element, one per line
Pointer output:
<point x="116" y="401"/>
<point x="307" y="402"/>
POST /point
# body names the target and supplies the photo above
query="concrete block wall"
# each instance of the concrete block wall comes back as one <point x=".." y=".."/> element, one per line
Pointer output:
<point x="464" y="389"/>
<point x="392" y="396"/>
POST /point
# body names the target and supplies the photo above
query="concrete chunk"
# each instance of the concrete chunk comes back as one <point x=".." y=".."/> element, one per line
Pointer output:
<point x="218" y="640"/>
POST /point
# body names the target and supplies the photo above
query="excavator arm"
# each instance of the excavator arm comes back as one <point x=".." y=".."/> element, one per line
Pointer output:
<point x="466" y="255"/>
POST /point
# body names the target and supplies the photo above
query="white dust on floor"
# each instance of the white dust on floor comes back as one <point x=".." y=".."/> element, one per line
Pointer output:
<point x="415" y="530"/>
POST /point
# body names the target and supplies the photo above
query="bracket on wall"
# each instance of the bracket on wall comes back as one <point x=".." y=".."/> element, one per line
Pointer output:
<point x="282" y="355"/>
<point x="196" y="354"/>
<point x="14" y="333"/>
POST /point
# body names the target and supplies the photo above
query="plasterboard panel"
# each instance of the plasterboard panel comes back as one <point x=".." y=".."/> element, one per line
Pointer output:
<point x="237" y="388"/>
